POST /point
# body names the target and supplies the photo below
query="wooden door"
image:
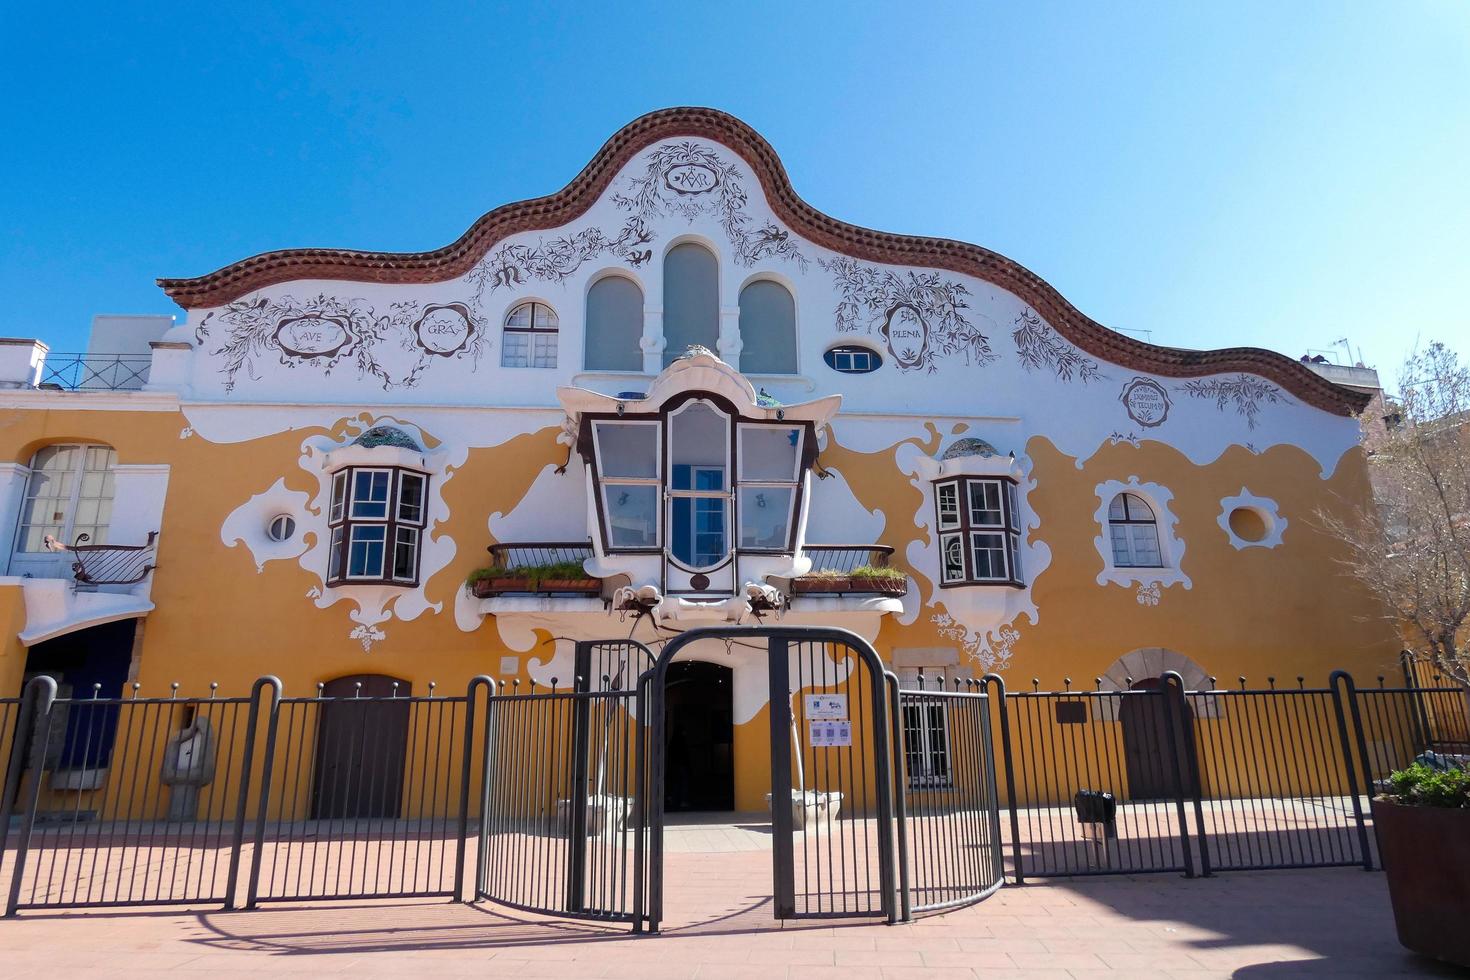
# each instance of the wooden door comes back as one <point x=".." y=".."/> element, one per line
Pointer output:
<point x="1148" y="751"/>
<point x="362" y="747"/>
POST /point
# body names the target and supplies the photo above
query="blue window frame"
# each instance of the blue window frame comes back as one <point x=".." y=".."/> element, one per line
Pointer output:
<point x="700" y="525"/>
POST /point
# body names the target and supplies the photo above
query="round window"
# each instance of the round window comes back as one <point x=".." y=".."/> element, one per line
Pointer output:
<point x="281" y="527"/>
<point x="1248" y="524"/>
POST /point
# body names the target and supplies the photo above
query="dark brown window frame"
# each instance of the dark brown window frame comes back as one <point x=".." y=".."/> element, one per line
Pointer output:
<point x="587" y="449"/>
<point x="1009" y="529"/>
<point x="340" y="552"/>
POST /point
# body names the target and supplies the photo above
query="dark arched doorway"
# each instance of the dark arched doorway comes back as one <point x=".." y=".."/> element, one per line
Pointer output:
<point x="1149" y="752"/>
<point x="699" y="763"/>
<point x="361" y="747"/>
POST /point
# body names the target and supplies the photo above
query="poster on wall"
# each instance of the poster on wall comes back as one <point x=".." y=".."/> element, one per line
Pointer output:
<point x="830" y="734"/>
<point x="826" y="707"/>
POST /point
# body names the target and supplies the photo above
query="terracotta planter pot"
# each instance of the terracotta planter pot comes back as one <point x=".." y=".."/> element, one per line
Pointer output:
<point x="1426" y="856"/>
<point x="842" y="583"/>
<point x="485" y="588"/>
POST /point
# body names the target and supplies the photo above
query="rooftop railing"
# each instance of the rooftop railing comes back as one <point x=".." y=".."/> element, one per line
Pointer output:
<point x="94" y="372"/>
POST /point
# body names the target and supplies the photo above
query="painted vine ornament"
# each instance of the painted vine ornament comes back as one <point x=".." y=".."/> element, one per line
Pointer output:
<point x="685" y="179"/>
<point x="918" y="315"/>
<point x="1245" y="391"/>
<point x="1040" y="348"/>
<point x="691" y="179"/>
<point x="324" y="331"/>
<point x="557" y="260"/>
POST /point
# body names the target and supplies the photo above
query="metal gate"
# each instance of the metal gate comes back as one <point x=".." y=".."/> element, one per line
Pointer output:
<point x="562" y="825"/>
<point x="830" y="758"/>
<point x="949" y="838"/>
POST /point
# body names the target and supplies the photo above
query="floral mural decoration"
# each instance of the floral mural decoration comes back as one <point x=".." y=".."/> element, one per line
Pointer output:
<point x="686" y="179"/>
<point x="991" y="649"/>
<point x="557" y="260"/>
<point x="1246" y="392"/>
<point x="325" y="331"/>
<point x="690" y="179"/>
<point x="919" y="315"/>
<point x="1040" y="348"/>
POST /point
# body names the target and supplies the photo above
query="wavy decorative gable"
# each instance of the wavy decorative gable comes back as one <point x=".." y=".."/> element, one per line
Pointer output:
<point x="572" y="201"/>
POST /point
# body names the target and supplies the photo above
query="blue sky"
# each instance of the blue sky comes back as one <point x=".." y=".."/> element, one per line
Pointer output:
<point x="1230" y="174"/>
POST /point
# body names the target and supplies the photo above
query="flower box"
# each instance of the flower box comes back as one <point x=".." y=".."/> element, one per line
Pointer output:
<point x="486" y="587"/>
<point x="864" y="585"/>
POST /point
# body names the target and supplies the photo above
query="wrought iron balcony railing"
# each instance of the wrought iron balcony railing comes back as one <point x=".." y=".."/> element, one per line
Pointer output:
<point x="95" y="372"/>
<point x="843" y="558"/>
<point x="538" y="554"/>
<point x="849" y="569"/>
<point x="108" y="564"/>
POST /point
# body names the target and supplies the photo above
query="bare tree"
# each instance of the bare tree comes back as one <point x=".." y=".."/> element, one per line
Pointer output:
<point x="1411" y="547"/>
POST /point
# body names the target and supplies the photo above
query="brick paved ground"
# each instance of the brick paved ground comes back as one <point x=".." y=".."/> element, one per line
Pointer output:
<point x="1286" y="923"/>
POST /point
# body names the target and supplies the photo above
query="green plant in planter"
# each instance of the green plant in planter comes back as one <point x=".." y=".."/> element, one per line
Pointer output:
<point x="870" y="573"/>
<point x="535" y="574"/>
<point x="879" y="573"/>
<point x="1423" y="785"/>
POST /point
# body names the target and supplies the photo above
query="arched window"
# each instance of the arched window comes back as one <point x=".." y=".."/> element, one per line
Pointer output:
<point x="691" y="300"/>
<point x="1135" y="533"/>
<point x="529" y="338"/>
<point x="68" y="495"/>
<point x="614" y="325"/>
<point x="767" y="329"/>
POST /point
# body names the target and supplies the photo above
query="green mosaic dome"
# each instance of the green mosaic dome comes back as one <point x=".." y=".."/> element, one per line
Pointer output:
<point x="386" y="435"/>
<point x="969" y="447"/>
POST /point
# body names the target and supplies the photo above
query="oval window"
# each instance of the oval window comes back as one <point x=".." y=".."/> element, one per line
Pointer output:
<point x="852" y="359"/>
<point x="1249" y="524"/>
<point x="281" y="528"/>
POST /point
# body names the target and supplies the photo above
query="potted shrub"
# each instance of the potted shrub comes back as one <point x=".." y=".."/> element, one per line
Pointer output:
<point x="1423" y="825"/>
<point x="867" y="579"/>
<point x="560" y="576"/>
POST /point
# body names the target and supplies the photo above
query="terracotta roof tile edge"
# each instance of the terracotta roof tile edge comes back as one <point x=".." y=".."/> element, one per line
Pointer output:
<point x="573" y="200"/>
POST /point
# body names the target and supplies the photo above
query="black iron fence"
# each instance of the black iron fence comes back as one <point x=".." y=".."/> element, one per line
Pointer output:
<point x="1095" y="780"/>
<point x="368" y="795"/>
<point x="366" y="791"/>
<point x="236" y="800"/>
<point x="1158" y="778"/>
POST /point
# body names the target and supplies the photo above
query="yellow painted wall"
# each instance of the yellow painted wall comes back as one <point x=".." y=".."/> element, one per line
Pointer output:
<point x="1283" y="611"/>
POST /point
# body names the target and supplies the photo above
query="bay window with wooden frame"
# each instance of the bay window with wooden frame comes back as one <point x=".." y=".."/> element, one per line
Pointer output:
<point x="698" y="481"/>
<point x="979" y="531"/>
<point x="377" y="526"/>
